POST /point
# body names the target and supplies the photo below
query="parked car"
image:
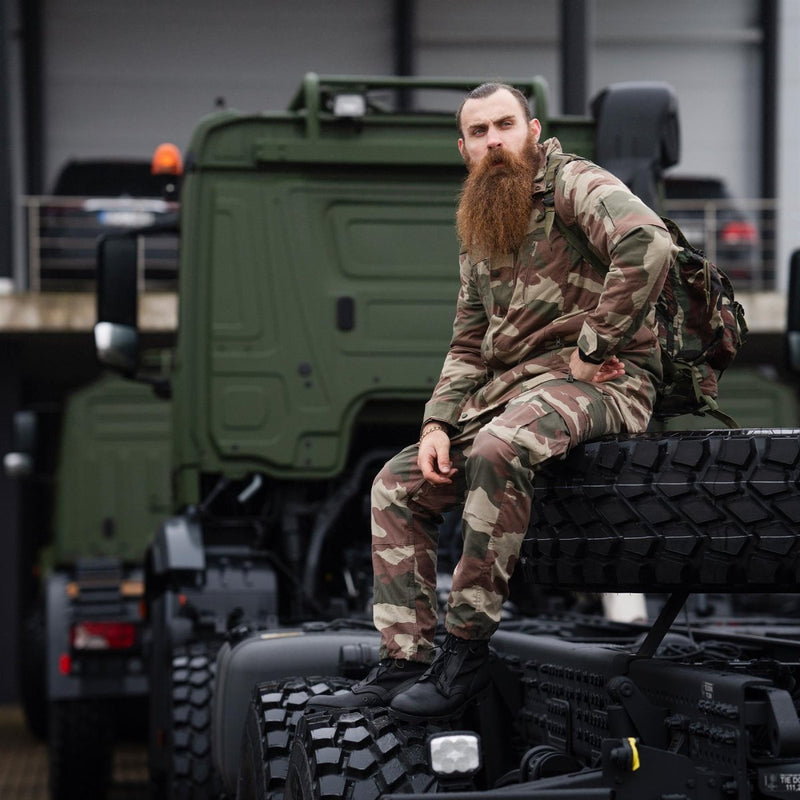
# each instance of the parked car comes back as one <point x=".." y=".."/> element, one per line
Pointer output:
<point x="90" y="198"/>
<point x="108" y="178"/>
<point x="716" y="224"/>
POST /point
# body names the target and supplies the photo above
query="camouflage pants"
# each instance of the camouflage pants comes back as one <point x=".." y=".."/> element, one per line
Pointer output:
<point x="495" y="461"/>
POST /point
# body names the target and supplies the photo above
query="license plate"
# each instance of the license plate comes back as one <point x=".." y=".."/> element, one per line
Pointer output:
<point x="126" y="219"/>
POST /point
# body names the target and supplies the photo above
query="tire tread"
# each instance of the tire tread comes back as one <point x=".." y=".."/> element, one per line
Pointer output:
<point x="700" y="510"/>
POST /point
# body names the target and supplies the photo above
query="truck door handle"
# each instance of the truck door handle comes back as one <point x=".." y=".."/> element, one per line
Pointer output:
<point x="345" y="313"/>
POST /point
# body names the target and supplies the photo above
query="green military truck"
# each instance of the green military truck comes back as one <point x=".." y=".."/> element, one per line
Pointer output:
<point x="83" y="673"/>
<point x="317" y="290"/>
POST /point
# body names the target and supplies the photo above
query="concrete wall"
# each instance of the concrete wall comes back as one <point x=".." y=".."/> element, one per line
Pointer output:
<point x="120" y="77"/>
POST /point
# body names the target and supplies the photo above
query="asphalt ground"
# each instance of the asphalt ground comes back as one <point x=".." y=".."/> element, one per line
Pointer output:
<point x="23" y="763"/>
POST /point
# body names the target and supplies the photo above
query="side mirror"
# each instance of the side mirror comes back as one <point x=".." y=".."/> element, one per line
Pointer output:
<point x="793" y="314"/>
<point x="116" y="335"/>
<point x="117" y="346"/>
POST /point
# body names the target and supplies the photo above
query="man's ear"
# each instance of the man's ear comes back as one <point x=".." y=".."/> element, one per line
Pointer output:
<point x="461" y="149"/>
<point x="535" y="128"/>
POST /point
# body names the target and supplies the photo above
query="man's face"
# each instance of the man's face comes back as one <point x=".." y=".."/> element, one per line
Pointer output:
<point x="493" y="122"/>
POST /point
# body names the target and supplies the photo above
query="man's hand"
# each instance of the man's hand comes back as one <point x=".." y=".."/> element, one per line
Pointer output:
<point x="595" y="373"/>
<point x="433" y="457"/>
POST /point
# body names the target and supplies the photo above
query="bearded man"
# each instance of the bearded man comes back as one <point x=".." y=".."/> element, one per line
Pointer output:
<point x="545" y="354"/>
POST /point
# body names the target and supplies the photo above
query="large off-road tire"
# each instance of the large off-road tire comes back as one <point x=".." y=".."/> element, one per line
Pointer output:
<point x="357" y="755"/>
<point x="697" y="510"/>
<point x="193" y="670"/>
<point x="190" y="773"/>
<point x="80" y="749"/>
<point x="32" y="677"/>
<point x="269" y="732"/>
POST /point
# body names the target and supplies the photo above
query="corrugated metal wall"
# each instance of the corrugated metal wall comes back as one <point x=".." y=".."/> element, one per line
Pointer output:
<point x="122" y="76"/>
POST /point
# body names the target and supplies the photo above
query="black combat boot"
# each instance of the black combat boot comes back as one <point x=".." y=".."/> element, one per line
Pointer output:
<point x="383" y="682"/>
<point x="459" y="674"/>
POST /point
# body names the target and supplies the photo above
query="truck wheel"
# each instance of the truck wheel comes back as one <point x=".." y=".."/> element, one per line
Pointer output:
<point x="357" y="753"/>
<point x="32" y="679"/>
<point x="193" y="670"/>
<point x="80" y="749"/>
<point x="696" y="510"/>
<point x="269" y="731"/>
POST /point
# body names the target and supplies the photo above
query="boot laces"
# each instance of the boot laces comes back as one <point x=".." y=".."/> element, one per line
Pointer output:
<point x="382" y="668"/>
<point x="448" y="663"/>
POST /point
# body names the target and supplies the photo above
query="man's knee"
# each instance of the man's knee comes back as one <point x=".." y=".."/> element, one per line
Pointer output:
<point x="397" y="479"/>
<point x="490" y="448"/>
<point x="530" y="434"/>
<point x="384" y="487"/>
<point x="492" y="461"/>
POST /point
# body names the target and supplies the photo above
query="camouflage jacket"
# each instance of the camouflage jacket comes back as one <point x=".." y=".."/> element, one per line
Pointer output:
<point x="519" y="316"/>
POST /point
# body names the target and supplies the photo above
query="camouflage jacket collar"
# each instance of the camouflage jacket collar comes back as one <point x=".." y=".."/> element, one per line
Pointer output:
<point x="543" y="181"/>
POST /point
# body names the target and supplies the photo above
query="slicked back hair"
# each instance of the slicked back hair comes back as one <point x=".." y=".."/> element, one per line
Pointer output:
<point x="486" y="90"/>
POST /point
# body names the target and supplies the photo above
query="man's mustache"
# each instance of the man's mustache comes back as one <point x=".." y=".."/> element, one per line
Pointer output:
<point x="495" y="157"/>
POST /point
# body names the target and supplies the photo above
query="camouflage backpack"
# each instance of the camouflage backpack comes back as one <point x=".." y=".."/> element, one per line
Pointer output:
<point x="700" y="324"/>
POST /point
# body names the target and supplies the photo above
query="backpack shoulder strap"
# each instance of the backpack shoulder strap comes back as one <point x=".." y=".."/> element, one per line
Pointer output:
<point x="577" y="241"/>
<point x="575" y="237"/>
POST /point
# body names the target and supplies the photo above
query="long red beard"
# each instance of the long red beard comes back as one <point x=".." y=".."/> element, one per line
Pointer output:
<point x="496" y="201"/>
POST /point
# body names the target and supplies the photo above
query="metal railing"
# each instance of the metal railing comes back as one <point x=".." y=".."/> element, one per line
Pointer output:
<point x="62" y="234"/>
<point x="738" y="235"/>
